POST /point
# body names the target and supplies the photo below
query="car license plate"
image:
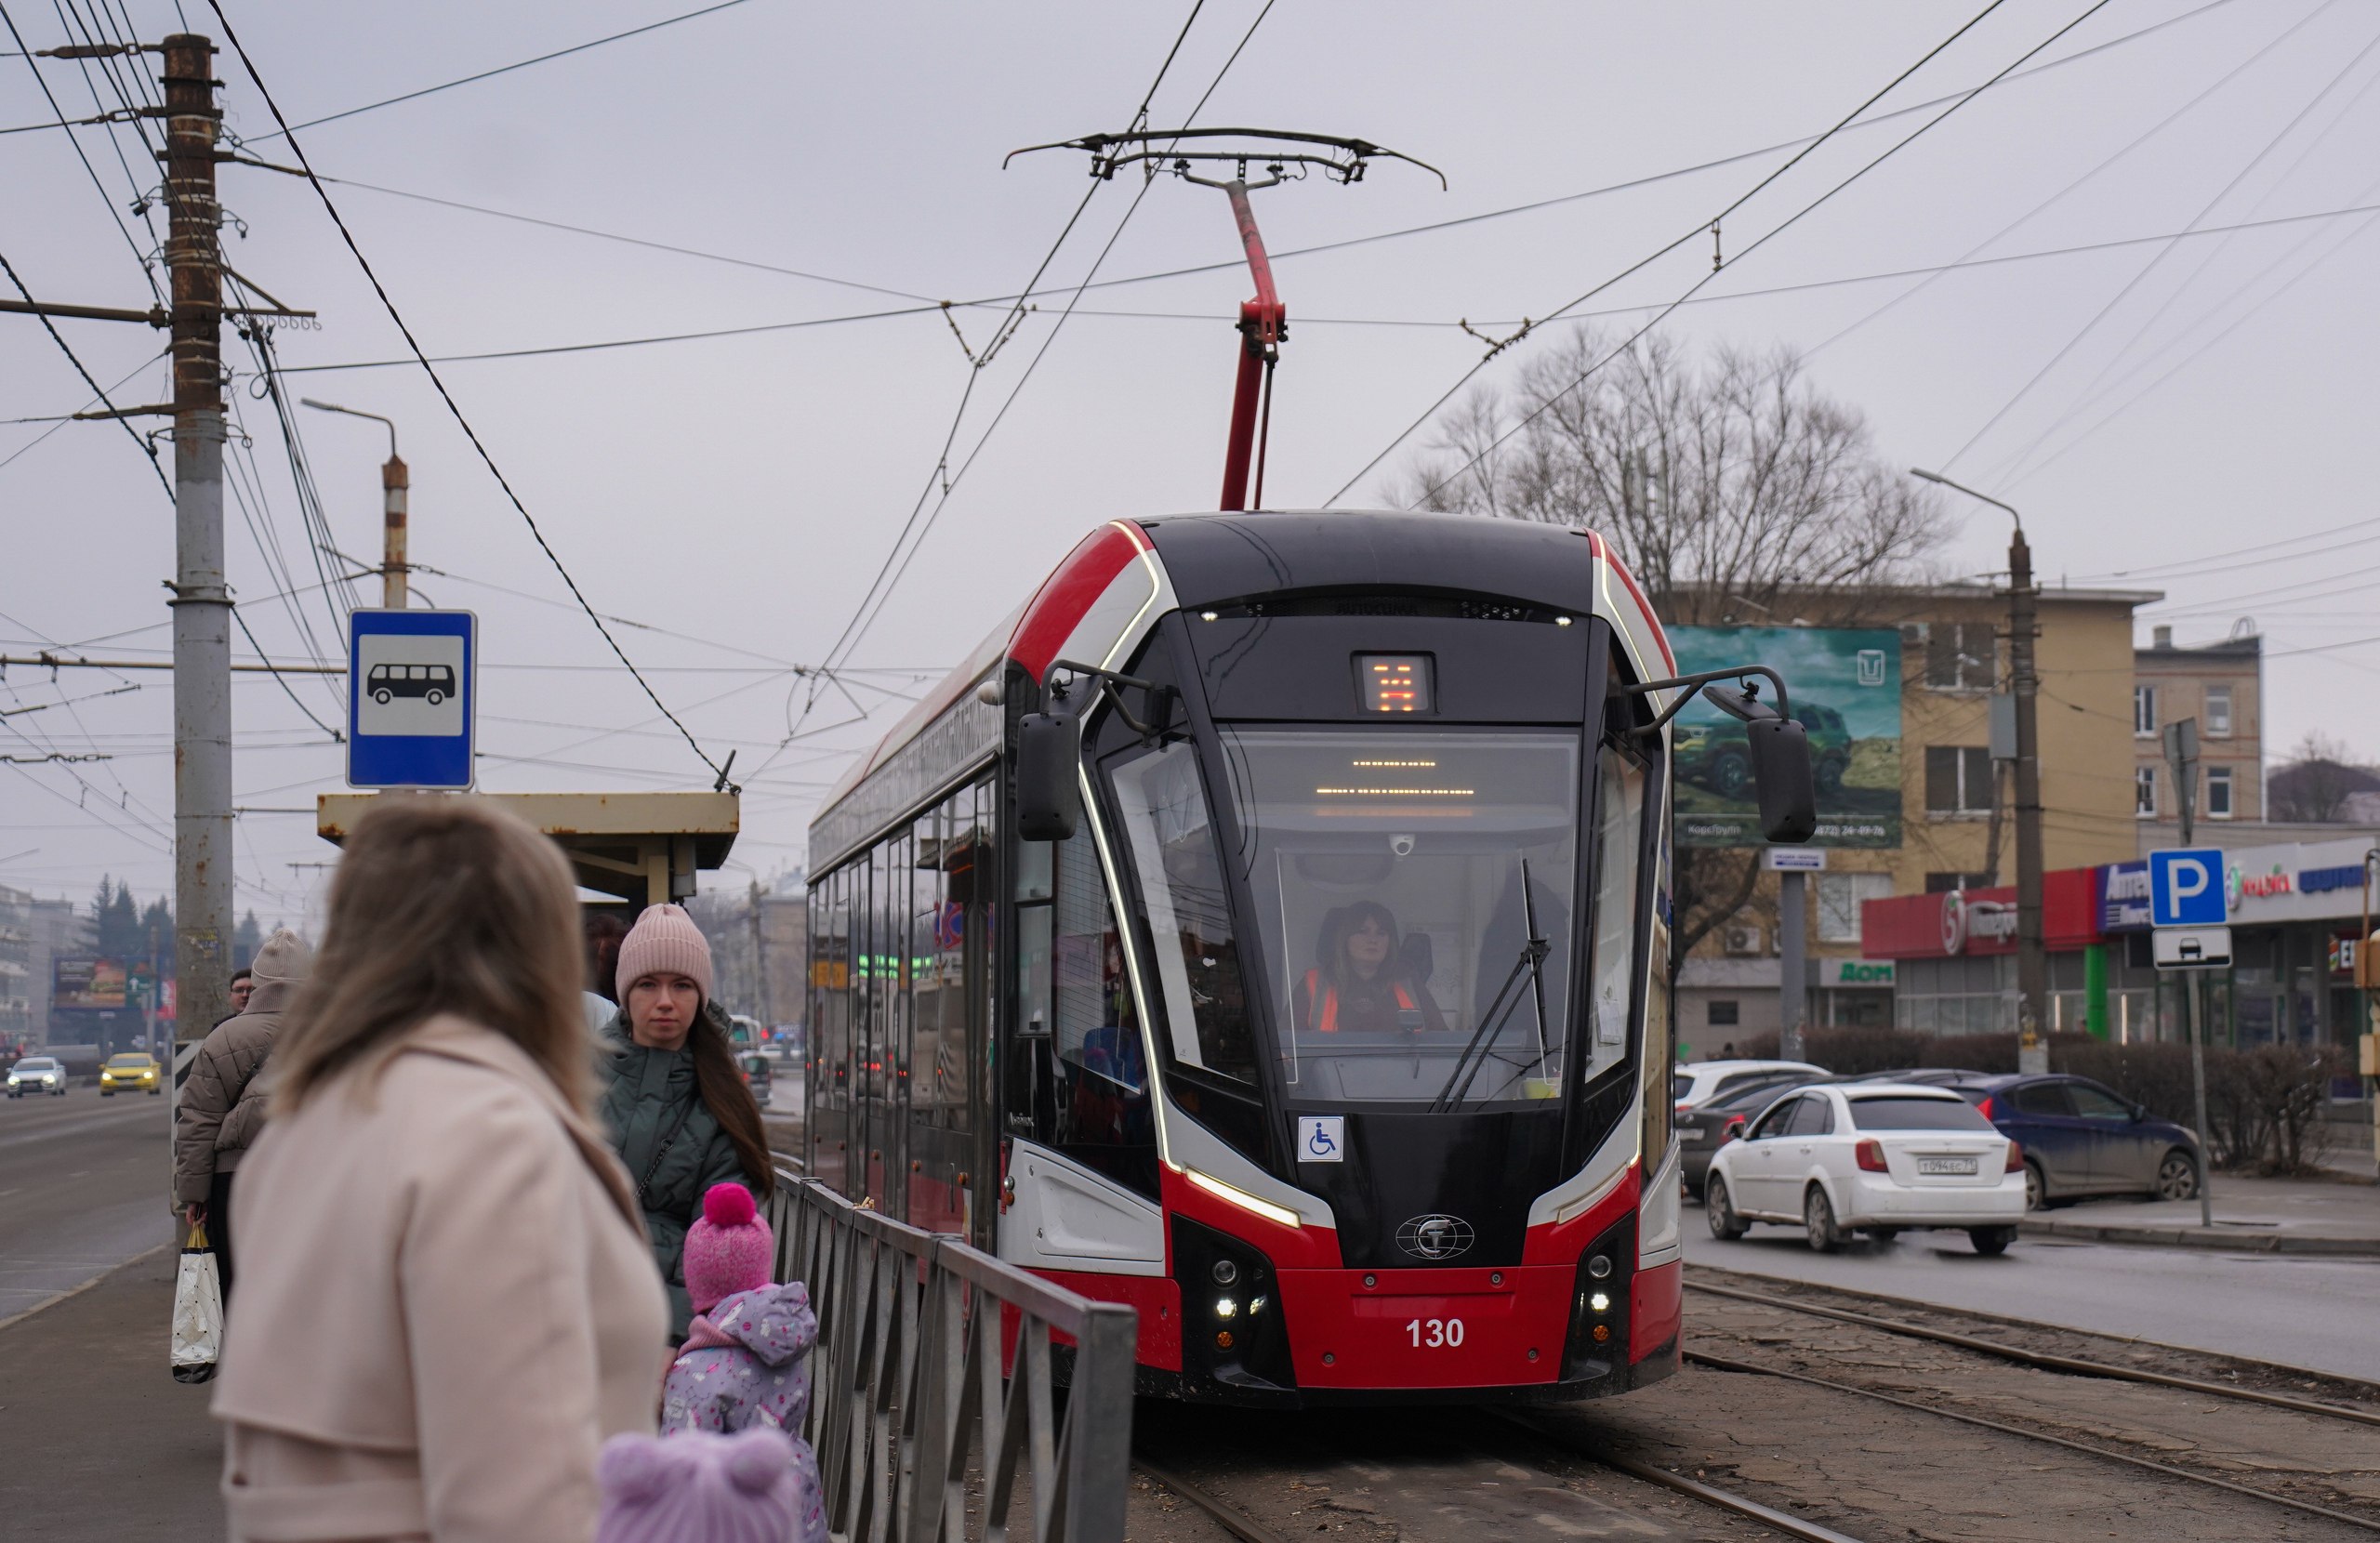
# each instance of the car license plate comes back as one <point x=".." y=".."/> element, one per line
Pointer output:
<point x="1945" y="1165"/>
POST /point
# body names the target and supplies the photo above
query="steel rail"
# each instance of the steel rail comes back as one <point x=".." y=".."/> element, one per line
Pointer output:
<point x="1710" y="1495"/>
<point x="1723" y="1364"/>
<point x="2045" y="1360"/>
<point x="1227" y="1515"/>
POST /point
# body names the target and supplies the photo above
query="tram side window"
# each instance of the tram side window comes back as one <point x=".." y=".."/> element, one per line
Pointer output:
<point x="948" y="844"/>
<point x="1079" y="1081"/>
<point x="1172" y="839"/>
<point x="1619" y="830"/>
<point x="830" y="1022"/>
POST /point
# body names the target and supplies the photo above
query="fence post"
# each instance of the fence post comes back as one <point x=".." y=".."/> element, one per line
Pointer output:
<point x="1099" y="1426"/>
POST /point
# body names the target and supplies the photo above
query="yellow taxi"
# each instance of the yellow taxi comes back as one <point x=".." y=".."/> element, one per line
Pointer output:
<point x="130" y="1071"/>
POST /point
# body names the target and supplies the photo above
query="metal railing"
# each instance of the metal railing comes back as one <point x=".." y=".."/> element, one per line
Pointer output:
<point x="931" y="1409"/>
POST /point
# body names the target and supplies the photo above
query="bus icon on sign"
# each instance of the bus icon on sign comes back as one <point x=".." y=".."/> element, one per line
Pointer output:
<point x="433" y="683"/>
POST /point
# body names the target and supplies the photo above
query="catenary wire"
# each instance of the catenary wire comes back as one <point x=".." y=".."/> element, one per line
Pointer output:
<point x="101" y="391"/>
<point x="1695" y="233"/>
<point x="39" y="80"/>
<point x="2156" y="261"/>
<point x="286" y="128"/>
<point x="1762" y="240"/>
<point x="231" y="37"/>
<point x="98" y="400"/>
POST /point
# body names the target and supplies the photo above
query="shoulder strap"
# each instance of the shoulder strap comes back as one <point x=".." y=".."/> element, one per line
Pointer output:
<point x="685" y="1112"/>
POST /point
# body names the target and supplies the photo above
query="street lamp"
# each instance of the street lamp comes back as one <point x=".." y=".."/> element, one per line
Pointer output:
<point x="395" y="487"/>
<point x="2033" y="962"/>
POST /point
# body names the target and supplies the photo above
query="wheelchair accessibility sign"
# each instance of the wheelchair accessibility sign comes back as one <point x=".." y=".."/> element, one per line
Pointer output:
<point x="1322" y="1138"/>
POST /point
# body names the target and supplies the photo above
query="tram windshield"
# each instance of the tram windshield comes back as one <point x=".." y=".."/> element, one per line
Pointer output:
<point x="1413" y="893"/>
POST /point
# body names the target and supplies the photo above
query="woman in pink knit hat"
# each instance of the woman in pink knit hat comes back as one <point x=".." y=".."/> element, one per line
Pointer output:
<point x="681" y="1117"/>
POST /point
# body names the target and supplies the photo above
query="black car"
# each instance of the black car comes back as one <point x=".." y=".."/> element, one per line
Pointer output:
<point x="2082" y="1139"/>
<point x="758" y="1074"/>
<point x="1702" y="1130"/>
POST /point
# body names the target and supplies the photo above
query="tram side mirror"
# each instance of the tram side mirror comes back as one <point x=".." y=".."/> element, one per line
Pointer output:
<point x="1780" y="774"/>
<point x="1049" y="793"/>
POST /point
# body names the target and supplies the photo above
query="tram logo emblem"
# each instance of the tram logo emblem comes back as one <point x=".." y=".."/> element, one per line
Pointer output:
<point x="1435" y="1237"/>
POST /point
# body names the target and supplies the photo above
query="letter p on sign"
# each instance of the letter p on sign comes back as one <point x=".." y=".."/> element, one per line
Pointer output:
<point x="2186" y="887"/>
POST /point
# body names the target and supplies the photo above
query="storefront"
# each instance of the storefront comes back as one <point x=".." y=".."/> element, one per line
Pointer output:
<point x="2297" y="912"/>
<point x="1954" y="953"/>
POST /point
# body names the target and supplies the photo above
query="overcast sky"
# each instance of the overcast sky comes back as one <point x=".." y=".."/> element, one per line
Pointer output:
<point x="738" y="494"/>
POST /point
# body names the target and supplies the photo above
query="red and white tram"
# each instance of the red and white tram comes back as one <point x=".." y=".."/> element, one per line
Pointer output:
<point x="1266" y="927"/>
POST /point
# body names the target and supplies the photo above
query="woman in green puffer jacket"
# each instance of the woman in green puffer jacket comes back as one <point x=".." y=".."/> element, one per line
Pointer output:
<point x="676" y="1108"/>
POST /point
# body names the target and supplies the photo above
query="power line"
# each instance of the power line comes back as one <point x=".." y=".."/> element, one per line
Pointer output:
<point x="2153" y="263"/>
<point x="1700" y="227"/>
<point x="138" y="255"/>
<point x="286" y="129"/>
<point x="1771" y="234"/>
<point x="452" y="407"/>
<point x="97" y="389"/>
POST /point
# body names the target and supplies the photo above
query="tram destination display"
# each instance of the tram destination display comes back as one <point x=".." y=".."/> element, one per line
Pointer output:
<point x="1847" y="694"/>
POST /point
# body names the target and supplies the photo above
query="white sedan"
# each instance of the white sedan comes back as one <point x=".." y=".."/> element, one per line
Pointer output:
<point x="1871" y="1158"/>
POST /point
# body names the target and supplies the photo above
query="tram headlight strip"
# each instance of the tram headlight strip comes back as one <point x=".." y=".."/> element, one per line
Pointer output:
<point x="1281" y="1215"/>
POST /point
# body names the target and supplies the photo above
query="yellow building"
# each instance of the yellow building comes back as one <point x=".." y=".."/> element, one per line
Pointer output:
<point x="1958" y="827"/>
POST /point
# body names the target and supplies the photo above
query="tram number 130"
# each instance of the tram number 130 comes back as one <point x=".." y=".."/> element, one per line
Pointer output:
<point x="1435" y="1333"/>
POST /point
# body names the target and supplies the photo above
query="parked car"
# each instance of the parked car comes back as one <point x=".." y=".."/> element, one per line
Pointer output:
<point x="1717" y="756"/>
<point x="1693" y="1085"/>
<point x="132" y="1071"/>
<point x="37" y="1074"/>
<point x="758" y="1071"/>
<point x="1871" y="1157"/>
<point x="1703" y="1130"/>
<point x="1929" y="1077"/>
<point x="2082" y="1138"/>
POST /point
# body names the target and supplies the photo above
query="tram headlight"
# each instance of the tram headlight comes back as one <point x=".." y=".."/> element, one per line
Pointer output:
<point x="1227" y="1308"/>
<point x="1224" y="1272"/>
<point x="1599" y="1266"/>
<point x="1599" y="1302"/>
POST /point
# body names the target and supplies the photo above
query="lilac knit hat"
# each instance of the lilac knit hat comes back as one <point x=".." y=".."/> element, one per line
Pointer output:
<point x="664" y="941"/>
<point x="696" y="1485"/>
<point x="729" y="1249"/>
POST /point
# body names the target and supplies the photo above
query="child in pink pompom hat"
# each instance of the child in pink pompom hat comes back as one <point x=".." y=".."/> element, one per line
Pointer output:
<point x="745" y="1362"/>
<point x="744" y="1488"/>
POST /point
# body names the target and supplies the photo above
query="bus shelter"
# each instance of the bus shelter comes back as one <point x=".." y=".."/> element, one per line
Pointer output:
<point x="640" y="848"/>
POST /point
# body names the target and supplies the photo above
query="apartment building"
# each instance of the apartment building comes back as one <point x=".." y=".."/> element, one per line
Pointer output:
<point x="2221" y="685"/>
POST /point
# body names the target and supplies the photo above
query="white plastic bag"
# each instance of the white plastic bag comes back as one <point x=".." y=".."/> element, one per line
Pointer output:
<point x="198" y="1311"/>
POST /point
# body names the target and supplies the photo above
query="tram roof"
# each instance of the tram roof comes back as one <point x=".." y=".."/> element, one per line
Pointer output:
<point x="1211" y="558"/>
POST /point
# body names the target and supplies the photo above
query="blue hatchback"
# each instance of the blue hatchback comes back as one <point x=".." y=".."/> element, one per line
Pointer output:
<point x="2080" y="1140"/>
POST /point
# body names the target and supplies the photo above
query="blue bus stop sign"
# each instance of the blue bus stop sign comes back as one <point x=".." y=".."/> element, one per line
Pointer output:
<point x="412" y="698"/>
<point x="2186" y="887"/>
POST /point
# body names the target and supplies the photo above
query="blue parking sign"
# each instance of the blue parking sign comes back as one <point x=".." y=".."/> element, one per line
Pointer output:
<point x="412" y="698"/>
<point x="2186" y="887"/>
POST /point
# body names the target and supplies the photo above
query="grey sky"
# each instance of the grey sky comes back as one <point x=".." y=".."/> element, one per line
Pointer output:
<point x="743" y="490"/>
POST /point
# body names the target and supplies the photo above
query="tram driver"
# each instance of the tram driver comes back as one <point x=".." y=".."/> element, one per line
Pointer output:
<point x="1365" y="981"/>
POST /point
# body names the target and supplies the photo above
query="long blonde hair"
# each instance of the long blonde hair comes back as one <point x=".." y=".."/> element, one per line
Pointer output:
<point x="441" y="905"/>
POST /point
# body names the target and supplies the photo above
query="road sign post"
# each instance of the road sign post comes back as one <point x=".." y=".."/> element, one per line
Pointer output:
<point x="2192" y="917"/>
<point x="412" y="698"/>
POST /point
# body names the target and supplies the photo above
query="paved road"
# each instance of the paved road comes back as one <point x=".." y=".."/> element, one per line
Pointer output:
<point x="2297" y="1311"/>
<point x="83" y="1187"/>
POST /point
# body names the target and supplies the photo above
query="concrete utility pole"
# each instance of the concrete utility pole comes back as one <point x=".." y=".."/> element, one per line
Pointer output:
<point x="759" y="963"/>
<point x="202" y="602"/>
<point x="2032" y="959"/>
<point x="396" y="484"/>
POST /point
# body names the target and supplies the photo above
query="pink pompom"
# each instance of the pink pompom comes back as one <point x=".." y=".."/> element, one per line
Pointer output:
<point x="728" y="1206"/>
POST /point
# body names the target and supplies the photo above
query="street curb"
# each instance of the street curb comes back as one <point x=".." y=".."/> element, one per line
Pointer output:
<point x="2191" y="1237"/>
<point x="73" y="1291"/>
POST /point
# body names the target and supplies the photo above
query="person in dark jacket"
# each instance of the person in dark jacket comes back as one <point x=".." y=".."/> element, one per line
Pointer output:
<point x="221" y="1109"/>
<point x="679" y="1114"/>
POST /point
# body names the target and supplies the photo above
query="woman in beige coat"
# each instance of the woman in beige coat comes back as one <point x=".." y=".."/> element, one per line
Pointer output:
<point x="446" y="1302"/>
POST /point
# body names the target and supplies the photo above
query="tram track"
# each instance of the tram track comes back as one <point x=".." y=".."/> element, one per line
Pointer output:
<point x="2041" y="1360"/>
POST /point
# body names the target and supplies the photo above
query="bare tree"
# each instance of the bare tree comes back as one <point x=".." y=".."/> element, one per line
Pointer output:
<point x="1735" y="481"/>
<point x="2317" y="782"/>
<point x="1728" y="485"/>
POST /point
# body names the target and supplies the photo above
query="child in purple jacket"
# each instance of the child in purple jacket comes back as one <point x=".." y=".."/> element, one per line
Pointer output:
<point x="746" y="1362"/>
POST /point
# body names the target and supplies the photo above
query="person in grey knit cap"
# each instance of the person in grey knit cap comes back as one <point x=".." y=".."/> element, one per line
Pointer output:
<point x="222" y="1106"/>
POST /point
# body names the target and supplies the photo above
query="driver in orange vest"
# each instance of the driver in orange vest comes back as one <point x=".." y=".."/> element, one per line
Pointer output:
<point x="1364" y="984"/>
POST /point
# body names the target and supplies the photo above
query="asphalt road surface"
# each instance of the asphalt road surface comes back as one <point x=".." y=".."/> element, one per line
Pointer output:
<point x="83" y="1185"/>
<point x="2297" y="1311"/>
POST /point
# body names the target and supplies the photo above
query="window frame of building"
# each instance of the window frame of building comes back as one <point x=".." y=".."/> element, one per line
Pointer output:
<point x="1839" y="899"/>
<point x="2144" y="793"/>
<point x="2144" y="710"/>
<point x="1962" y="777"/>
<point x="2215" y="721"/>
<point x="1724" y="1013"/>
<point x="2222" y="793"/>
<point x="1956" y="660"/>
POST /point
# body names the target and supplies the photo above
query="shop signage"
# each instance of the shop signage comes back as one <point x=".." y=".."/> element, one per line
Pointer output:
<point x="1965" y="918"/>
<point x="2123" y="897"/>
<point x="2314" y="881"/>
<point x="1862" y="972"/>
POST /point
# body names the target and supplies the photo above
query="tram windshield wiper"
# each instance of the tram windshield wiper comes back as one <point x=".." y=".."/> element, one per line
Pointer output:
<point x="1479" y="1052"/>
